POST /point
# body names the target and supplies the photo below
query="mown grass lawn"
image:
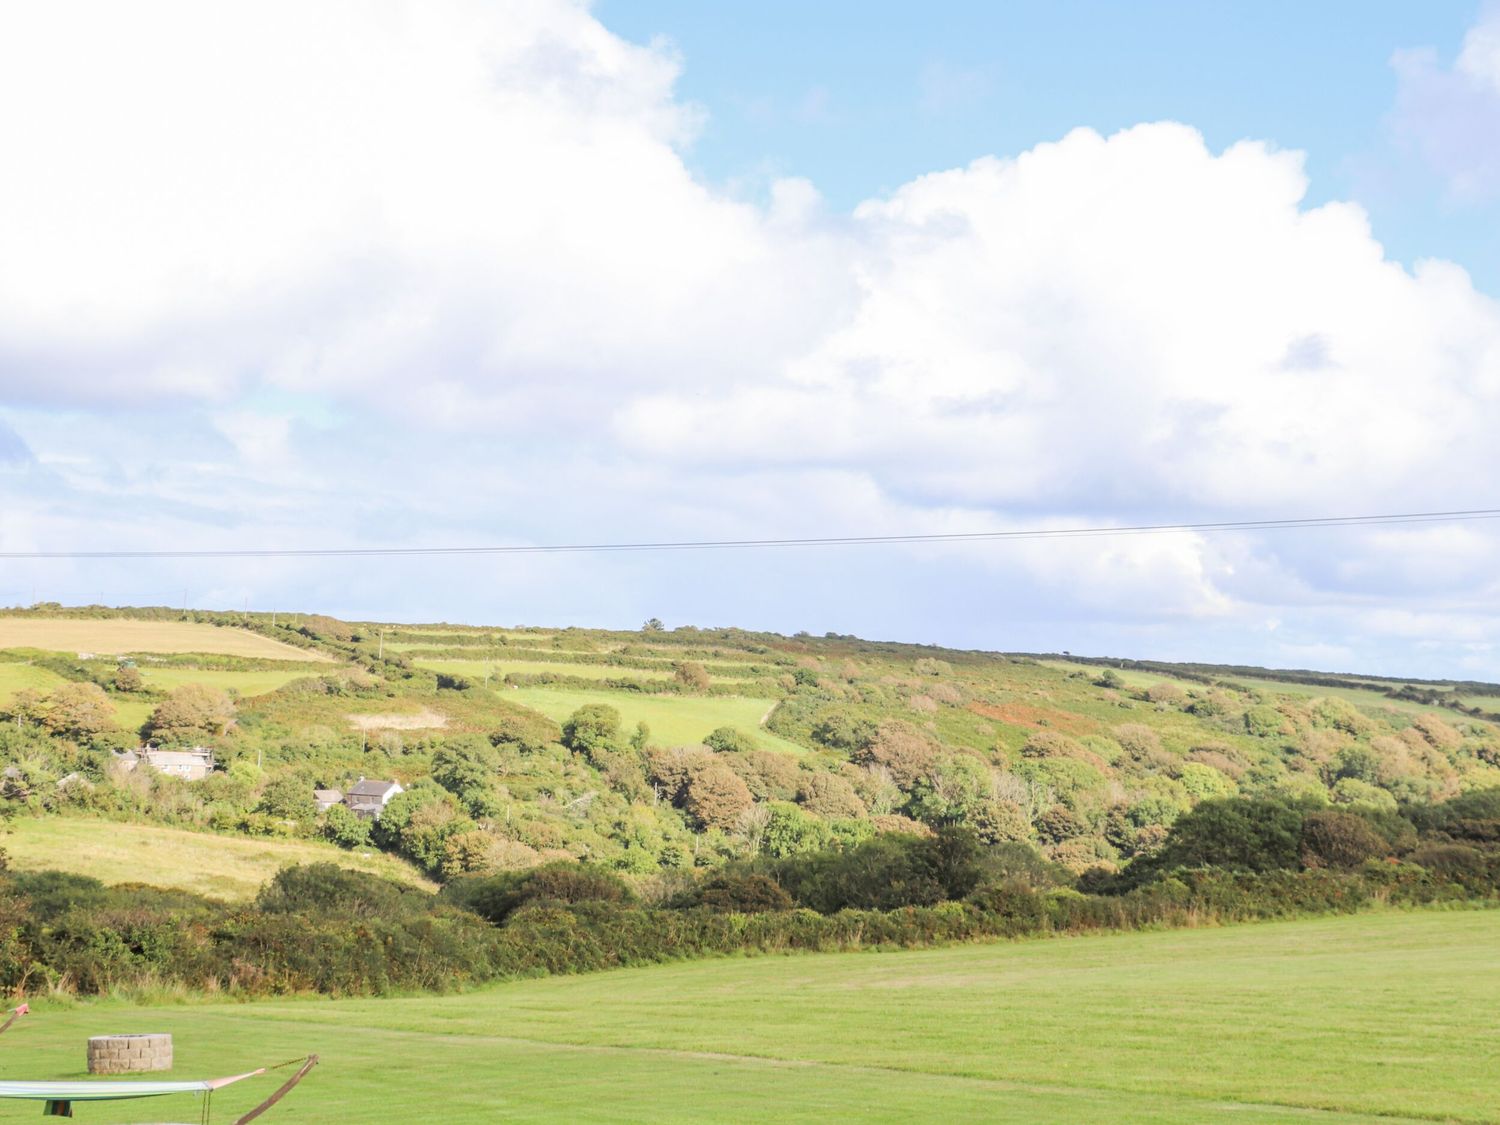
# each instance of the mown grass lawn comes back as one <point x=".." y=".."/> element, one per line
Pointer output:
<point x="226" y="867"/>
<point x="1382" y="1017"/>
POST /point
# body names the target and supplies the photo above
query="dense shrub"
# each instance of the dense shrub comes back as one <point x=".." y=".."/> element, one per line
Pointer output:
<point x="1338" y="839"/>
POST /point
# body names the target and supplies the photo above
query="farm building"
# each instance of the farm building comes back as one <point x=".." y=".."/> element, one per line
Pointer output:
<point x="192" y="764"/>
<point x="369" y="798"/>
<point x="327" y="798"/>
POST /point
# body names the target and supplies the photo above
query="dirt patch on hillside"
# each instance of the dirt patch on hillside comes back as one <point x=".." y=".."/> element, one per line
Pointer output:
<point x="1036" y="718"/>
<point x="424" y="719"/>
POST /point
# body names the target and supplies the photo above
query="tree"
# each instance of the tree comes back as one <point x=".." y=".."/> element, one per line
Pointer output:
<point x="465" y="764"/>
<point x="653" y="625"/>
<point x="691" y="675"/>
<point x="716" y="798"/>
<point x="595" y="726"/>
<point x="192" y="713"/>
<point x="908" y="753"/>
<point x="128" y="678"/>
<point x="830" y="796"/>
<point x="790" y="831"/>
<point x="79" y="711"/>
<point x="27" y="706"/>
<point x="288" y="798"/>
<point x="346" y="828"/>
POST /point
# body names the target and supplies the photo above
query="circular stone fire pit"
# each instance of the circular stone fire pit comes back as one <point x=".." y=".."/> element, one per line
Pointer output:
<point x="124" y="1054"/>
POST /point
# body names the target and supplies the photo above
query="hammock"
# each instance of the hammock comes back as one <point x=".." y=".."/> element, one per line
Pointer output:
<point x="60" y="1096"/>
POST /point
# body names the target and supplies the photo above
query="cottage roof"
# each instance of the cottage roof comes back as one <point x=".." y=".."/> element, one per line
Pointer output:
<point x="372" y="789"/>
<point x="194" y="757"/>
<point x="327" y="795"/>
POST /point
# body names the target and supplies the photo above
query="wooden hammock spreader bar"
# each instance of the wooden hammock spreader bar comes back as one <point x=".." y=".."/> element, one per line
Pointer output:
<point x="310" y="1062"/>
<point x="15" y="1014"/>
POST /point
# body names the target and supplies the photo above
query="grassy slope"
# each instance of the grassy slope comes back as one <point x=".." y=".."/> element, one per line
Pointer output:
<point x="1362" y="698"/>
<point x="1335" y="1020"/>
<point x="674" y="720"/>
<point x="498" y="669"/>
<point x="17" y="677"/>
<point x="227" y="867"/>
<point x="245" y="683"/>
<point x="112" y="636"/>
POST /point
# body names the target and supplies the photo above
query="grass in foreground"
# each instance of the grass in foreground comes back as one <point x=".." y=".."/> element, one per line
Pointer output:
<point x="112" y="636"/>
<point x="674" y="720"/>
<point x="1385" y="1017"/>
<point x="226" y="867"/>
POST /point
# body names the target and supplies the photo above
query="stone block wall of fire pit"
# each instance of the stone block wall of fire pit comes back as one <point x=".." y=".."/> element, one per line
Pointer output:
<point x="127" y="1054"/>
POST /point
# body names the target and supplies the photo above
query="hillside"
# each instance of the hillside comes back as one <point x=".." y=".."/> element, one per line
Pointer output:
<point x="216" y="866"/>
<point x="659" y="750"/>
<point x="1364" y="1019"/>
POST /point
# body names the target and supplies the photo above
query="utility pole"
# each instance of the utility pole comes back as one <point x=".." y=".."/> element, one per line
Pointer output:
<point x="381" y="652"/>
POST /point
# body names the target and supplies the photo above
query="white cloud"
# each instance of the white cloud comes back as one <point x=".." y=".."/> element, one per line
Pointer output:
<point x="469" y="195"/>
<point x="421" y="272"/>
<point x="1451" y="115"/>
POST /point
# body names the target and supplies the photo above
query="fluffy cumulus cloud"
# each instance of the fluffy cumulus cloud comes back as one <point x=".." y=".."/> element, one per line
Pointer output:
<point x="437" y="272"/>
<point x="1451" y="114"/>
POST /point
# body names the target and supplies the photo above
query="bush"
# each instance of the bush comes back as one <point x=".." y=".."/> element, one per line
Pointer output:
<point x="496" y="897"/>
<point x="1240" y="835"/>
<point x="743" y="894"/>
<point x="326" y="888"/>
<point x="829" y="796"/>
<point x="728" y="740"/>
<point x="1341" y="840"/>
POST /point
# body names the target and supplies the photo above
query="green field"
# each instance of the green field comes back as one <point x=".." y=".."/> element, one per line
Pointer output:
<point x="497" y="670"/>
<point x="674" y="720"/>
<point x="226" y="867"/>
<point x="1385" y="1017"/>
<point x="18" y="677"/>
<point x="245" y="683"/>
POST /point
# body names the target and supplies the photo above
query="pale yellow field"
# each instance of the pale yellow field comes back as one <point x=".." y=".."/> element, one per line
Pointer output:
<point x="114" y="636"/>
<point x="227" y="867"/>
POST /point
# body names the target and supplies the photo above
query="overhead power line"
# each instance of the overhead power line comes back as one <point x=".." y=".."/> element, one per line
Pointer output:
<point x="742" y="544"/>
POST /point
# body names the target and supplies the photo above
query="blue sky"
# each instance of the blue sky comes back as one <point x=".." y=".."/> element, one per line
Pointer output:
<point x="457" y="272"/>
<point x="861" y="98"/>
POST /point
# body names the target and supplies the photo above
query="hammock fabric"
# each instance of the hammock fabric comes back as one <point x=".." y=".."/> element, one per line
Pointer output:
<point x="60" y="1096"/>
<point x="112" y="1091"/>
